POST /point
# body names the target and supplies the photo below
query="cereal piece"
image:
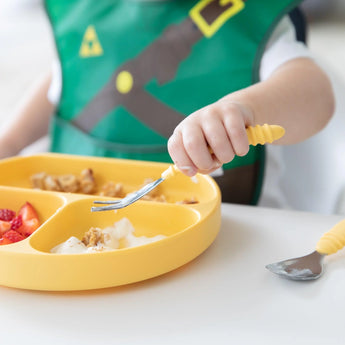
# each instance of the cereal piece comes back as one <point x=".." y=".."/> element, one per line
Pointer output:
<point x="93" y="237"/>
<point x="51" y="183"/>
<point x="113" y="190"/>
<point x="68" y="183"/>
<point x="87" y="181"/>
<point x="37" y="180"/>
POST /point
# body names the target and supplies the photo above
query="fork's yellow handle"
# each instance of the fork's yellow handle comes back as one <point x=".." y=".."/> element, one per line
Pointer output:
<point x="264" y="134"/>
<point x="256" y="135"/>
<point x="171" y="171"/>
<point x="333" y="240"/>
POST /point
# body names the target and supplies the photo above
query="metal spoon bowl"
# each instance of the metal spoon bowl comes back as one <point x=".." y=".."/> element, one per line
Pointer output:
<point x="310" y="267"/>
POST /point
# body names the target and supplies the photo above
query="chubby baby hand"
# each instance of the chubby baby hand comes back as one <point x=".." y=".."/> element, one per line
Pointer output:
<point x="210" y="137"/>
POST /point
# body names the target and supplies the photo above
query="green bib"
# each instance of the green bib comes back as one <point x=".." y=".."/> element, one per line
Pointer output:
<point x="132" y="70"/>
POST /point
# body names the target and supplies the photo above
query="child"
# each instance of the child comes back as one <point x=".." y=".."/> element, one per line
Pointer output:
<point x="133" y="70"/>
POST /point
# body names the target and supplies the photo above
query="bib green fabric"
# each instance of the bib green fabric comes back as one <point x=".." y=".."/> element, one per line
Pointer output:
<point x="132" y="70"/>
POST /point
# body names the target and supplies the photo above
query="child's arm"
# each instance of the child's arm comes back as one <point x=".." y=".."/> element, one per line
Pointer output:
<point x="298" y="96"/>
<point x="30" y="122"/>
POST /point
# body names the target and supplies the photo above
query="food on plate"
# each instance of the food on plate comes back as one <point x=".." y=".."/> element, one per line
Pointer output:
<point x="112" y="189"/>
<point x="155" y="194"/>
<point x="68" y="183"/>
<point x="85" y="183"/>
<point x="118" y="236"/>
<point x="15" y="227"/>
<point x="190" y="201"/>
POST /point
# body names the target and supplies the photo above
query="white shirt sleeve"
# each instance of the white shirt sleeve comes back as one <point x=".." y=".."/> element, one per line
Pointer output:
<point x="281" y="47"/>
<point x="54" y="91"/>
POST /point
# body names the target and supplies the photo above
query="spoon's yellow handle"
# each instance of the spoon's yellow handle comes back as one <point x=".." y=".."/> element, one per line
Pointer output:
<point x="264" y="134"/>
<point x="333" y="240"/>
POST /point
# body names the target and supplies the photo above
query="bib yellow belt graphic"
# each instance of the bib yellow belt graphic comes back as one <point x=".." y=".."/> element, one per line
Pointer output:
<point x="228" y="8"/>
<point x="90" y="46"/>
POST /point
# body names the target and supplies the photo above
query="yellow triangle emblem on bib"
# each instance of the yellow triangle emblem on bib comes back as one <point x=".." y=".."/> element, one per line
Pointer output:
<point x="90" y="45"/>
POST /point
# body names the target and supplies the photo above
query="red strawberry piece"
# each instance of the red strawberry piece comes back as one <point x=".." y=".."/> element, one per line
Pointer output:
<point x="27" y="212"/>
<point x="16" y="223"/>
<point x="6" y="214"/>
<point x="5" y="241"/>
<point x="13" y="236"/>
<point x="29" y="218"/>
<point x="4" y="226"/>
<point x="29" y="226"/>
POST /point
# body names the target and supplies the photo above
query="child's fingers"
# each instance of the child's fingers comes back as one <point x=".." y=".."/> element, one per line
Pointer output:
<point x="179" y="155"/>
<point x="236" y="130"/>
<point x="197" y="148"/>
<point x="218" y="140"/>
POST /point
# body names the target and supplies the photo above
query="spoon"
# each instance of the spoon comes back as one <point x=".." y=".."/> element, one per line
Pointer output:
<point x="310" y="267"/>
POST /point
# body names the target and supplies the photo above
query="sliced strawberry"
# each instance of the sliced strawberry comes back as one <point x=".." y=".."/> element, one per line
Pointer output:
<point x="27" y="212"/>
<point x="6" y="214"/>
<point x="5" y="241"/>
<point x="29" y="218"/>
<point x="13" y="236"/>
<point x="16" y="223"/>
<point x="4" y="226"/>
<point x="29" y="226"/>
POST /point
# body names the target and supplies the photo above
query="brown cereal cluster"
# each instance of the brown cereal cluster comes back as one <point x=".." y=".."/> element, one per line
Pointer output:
<point x="85" y="183"/>
<point x="112" y="189"/>
<point x="92" y="237"/>
<point x="69" y="183"/>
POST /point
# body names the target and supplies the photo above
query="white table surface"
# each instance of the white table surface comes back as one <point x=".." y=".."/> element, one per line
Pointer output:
<point x="225" y="296"/>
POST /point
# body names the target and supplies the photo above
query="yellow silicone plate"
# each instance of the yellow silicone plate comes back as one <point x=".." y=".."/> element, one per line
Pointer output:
<point x="189" y="229"/>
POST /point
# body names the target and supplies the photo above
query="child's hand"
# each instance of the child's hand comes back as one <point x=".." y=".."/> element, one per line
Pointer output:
<point x="210" y="137"/>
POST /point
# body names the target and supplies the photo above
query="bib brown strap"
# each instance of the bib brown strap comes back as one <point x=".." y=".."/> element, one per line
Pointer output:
<point x="159" y="60"/>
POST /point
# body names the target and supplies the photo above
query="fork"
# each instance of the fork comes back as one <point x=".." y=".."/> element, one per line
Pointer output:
<point x="256" y="135"/>
<point x="133" y="197"/>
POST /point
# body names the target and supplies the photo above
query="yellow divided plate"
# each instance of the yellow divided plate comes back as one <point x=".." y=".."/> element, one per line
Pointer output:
<point x="190" y="228"/>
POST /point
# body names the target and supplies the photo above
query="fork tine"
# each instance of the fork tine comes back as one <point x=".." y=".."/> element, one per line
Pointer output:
<point x="129" y="199"/>
<point x="107" y="208"/>
<point x="110" y="202"/>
